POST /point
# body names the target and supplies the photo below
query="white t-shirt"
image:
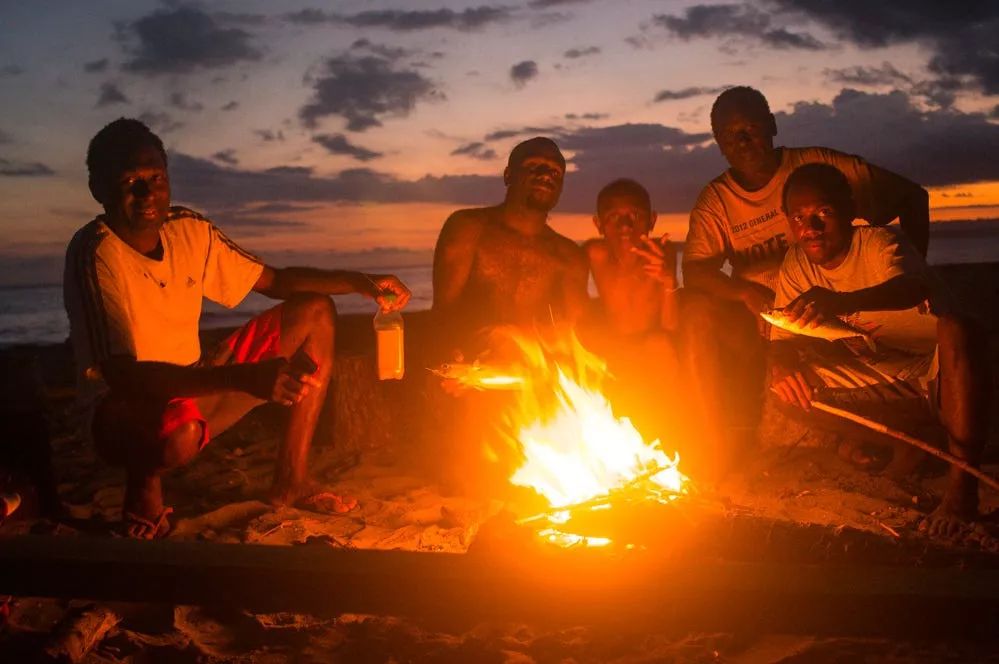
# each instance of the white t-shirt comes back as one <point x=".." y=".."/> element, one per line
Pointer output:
<point x="876" y="254"/>
<point x="749" y="228"/>
<point x="121" y="302"/>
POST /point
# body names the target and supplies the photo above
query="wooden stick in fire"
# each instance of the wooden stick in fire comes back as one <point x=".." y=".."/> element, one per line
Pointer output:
<point x="601" y="500"/>
<point x="906" y="438"/>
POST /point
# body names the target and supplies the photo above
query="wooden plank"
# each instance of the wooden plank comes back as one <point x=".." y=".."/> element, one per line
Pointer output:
<point x="574" y="587"/>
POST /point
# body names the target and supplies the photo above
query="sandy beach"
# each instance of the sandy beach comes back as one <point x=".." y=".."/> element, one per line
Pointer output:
<point x="219" y="497"/>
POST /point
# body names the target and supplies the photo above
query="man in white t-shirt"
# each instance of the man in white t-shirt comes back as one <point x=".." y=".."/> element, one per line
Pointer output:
<point x="738" y="220"/>
<point x="134" y="282"/>
<point x="879" y="283"/>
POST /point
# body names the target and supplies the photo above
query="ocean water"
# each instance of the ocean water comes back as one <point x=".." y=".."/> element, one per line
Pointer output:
<point x="35" y="315"/>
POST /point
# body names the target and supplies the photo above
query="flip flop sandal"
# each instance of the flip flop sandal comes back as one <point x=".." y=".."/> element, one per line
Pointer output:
<point x="158" y="527"/>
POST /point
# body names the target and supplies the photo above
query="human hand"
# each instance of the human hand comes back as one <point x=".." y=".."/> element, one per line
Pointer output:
<point x="814" y="306"/>
<point x="789" y="383"/>
<point x="660" y="258"/>
<point x="276" y="380"/>
<point x="756" y="297"/>
<point x="383" y="285"/>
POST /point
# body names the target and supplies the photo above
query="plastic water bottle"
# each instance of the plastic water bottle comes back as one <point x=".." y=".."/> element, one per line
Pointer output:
<point x="389" y="343"/>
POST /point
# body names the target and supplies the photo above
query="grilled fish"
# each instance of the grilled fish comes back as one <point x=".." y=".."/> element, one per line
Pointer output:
<point x="831" y="329"/>
<point x="479" y="377"/>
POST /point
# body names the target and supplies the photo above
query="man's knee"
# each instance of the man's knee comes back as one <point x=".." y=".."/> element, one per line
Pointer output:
<point x="960" y="335"/>
<point x="182" y="445"/>
<point x="660" y="350"/>
<point x="706" y="321"/>
<point x="697" y="309"/>
<point x="310" y="310"/>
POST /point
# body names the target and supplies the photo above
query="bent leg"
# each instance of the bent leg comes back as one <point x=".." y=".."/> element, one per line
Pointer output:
<point x="308" y="321"/>
<point x="147" y="439"/>
<point x="722" y="356"/>
<point x="965" y="386"/>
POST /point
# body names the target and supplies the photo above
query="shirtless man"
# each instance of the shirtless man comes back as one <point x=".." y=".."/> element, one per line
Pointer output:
<point x="500" y="265"/>
<point x="133" y="288"/>
<point x="879" y="282"/>
<point x="738" y="218"/>
<point x="504" y="264"/>
<point x="636" y="283"/>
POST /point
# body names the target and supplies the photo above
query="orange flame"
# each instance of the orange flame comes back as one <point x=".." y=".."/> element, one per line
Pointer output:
<point x="574" y="448"/>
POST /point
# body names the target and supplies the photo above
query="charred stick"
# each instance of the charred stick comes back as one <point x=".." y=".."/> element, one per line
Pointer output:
<point x="911" y="440"/>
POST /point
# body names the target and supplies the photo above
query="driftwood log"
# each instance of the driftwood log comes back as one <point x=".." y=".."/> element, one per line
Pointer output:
<point x="79" y="632"/>
<point x="364" y="413"/>
<point x="357" y="416"/>
<point x="505" y="580"/>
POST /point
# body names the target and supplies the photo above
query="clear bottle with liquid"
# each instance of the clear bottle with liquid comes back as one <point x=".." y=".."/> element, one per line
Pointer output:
<point x="389" y="343"/>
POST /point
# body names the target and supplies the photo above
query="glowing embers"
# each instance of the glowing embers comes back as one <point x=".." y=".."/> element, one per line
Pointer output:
<point x="573" y="450"/>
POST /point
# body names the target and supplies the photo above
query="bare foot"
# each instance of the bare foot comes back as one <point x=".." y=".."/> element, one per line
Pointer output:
<point x="956" y="514"/>
<point x="945" y="523"/>
<point x="311" y="496"/>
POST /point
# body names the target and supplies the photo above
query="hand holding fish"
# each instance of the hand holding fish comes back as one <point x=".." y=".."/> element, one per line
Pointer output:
<point x="660" y="259"/>
<point x="814" y="307"/>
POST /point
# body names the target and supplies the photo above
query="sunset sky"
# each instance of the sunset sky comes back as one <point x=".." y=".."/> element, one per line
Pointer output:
<point x="346" y="132"/>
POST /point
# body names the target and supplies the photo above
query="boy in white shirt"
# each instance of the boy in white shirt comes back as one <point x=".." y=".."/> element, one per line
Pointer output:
<point x="879" y="283"/>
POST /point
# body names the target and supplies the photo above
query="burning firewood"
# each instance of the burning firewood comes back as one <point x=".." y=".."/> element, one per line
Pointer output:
<point x="576" y="452"/>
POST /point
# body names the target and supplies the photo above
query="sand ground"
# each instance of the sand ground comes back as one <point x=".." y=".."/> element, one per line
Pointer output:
<point x="220" y="497"/>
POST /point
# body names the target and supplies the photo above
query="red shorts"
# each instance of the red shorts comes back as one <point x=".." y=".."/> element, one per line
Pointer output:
<point x="259" y="339"/>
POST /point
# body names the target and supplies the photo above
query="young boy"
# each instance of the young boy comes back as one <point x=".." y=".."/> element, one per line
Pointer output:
<point x="877" y="280"/>
<point x="636" y="283"/>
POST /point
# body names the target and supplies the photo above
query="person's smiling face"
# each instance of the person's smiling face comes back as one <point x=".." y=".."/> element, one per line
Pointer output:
<point x="537" y="180"/>
<point x="138" y="196"/>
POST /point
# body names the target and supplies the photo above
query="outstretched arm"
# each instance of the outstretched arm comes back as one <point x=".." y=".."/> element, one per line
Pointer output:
<point x="270" y="380"/>
<point x="895" y="196"/>
<point x="282" y="283"/>
<point x="706" y="275"/>
<point x="818" y="304"/>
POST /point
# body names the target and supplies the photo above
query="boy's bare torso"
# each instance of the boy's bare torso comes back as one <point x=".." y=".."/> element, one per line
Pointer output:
<point x="632" y="301"/>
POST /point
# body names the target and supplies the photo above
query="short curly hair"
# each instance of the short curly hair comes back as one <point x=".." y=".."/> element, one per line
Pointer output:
<point x="825" y="178"/>
<point x="625" y="187"/>
<point x="742" y="97"/>
<point x="111" y="146"/>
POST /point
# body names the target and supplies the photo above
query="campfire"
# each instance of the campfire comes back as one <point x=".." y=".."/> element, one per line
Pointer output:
<point x="574" y="450"/>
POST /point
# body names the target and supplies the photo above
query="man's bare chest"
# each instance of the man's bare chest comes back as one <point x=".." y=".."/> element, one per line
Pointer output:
<point x="514" y="258"/>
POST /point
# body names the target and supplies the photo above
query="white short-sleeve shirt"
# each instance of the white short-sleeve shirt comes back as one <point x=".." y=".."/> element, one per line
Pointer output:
<point x="749" y="228"/>
<point x="121" y="302"/>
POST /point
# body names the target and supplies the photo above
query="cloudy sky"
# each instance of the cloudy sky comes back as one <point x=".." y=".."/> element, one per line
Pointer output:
<point x="350" y="130"/>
